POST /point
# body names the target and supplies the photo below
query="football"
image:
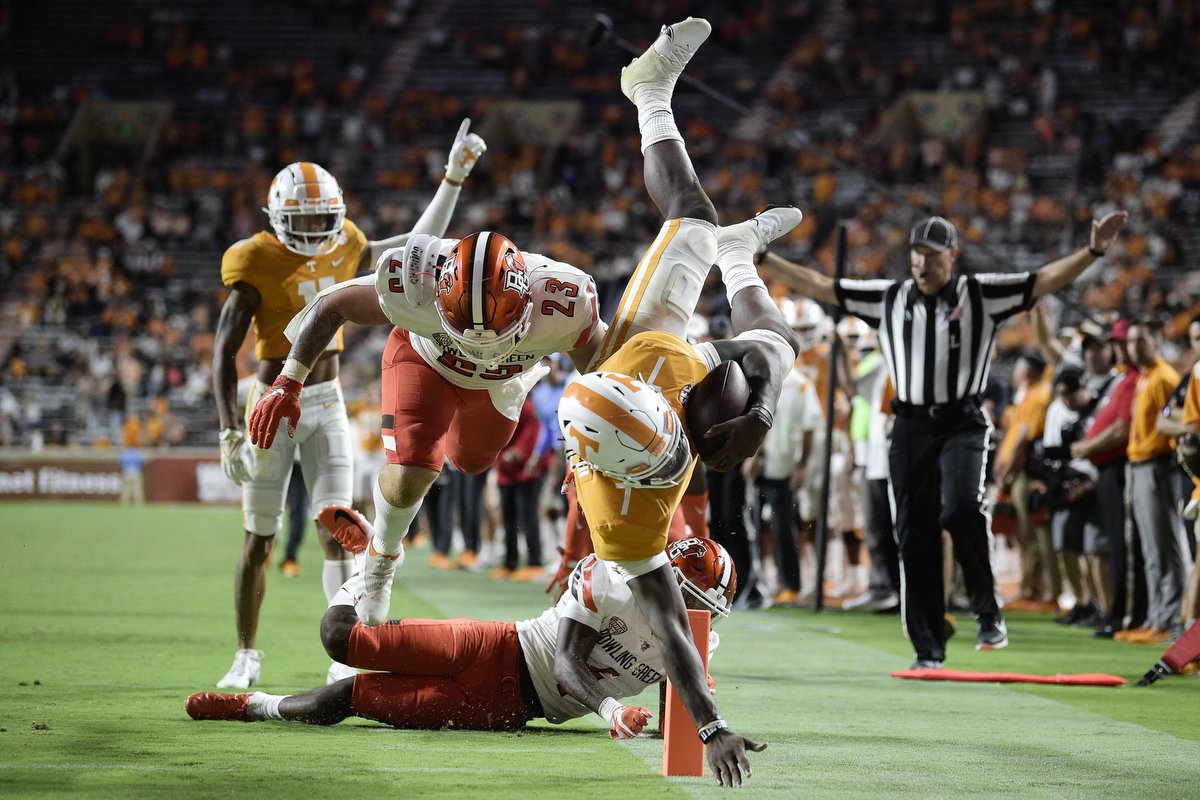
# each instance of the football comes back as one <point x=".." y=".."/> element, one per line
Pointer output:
<point x="722" y="395"/>
<point x="1188" y="446"/>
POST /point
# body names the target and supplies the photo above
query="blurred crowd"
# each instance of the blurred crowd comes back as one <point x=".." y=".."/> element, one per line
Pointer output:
<point x="112" y="270"/>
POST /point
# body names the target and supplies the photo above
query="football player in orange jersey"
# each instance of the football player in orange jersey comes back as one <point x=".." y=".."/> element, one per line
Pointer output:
<point x="271" y="276"/>
<point x="630" y="451"/>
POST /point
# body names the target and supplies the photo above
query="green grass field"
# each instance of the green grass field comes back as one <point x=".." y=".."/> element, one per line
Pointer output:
<point x="111" y="617"/>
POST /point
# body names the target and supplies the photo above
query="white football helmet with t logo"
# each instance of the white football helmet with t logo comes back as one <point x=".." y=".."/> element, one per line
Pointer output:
<point x="306" y="208"/>
<point x="624" y="429"/>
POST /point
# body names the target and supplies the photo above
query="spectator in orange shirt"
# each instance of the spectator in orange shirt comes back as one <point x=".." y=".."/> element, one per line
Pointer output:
<point x="1152" y="487"/>
<point x="1041" y="581"/>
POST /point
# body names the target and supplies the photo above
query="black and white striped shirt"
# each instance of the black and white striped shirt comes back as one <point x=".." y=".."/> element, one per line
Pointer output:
<point x="937" y="348"/>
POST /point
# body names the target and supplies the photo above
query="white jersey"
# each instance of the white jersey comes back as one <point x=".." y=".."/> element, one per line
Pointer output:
<point x="565" y="312"/>
<point x="627" y="657"/>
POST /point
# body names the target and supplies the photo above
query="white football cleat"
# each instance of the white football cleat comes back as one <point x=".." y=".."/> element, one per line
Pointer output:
<point x="763" y="228"/>
<point x="245" y="670"/>
<point x="378" y="571"/>
<point x="338" y="671"/>
<point x="664" y="60"/>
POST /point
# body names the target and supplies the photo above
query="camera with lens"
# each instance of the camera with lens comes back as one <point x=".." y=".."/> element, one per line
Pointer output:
<point x="1052" y="467"/>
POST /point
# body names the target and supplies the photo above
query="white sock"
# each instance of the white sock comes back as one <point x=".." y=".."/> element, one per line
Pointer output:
<point x="655" y="119"/>
<point x="391" y="523"/>
<point x="264" y="706"/>
<point x="735" y="258"/>
<point x="334" y="573"/>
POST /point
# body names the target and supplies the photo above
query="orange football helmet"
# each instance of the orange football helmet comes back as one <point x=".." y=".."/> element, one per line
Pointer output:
<point x="483" y="297"/>
<point x="705" y="572"/>
<point x="306" y="208"/>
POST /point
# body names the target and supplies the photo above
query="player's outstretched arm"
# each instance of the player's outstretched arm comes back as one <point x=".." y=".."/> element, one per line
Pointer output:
<point x="464" y="154"/>
<point x="658" y="598"/>
<point x="1057" y="274"/>
<point x="236" y="316"/>
<point x="798" y="278"/>
<point x="574" y="644"/>
<point x="311" y="332"/>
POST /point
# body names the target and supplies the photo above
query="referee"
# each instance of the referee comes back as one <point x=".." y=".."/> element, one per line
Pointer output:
<point x="935" y="333"/>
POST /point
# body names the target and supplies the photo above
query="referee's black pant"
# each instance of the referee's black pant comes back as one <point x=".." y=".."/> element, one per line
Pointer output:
<point x="937" y="481"/>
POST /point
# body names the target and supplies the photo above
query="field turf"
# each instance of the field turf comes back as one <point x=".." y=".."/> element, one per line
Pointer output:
<point x="111" y="617"/>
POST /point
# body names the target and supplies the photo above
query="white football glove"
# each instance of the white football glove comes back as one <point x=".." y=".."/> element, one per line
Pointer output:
<point x="467" y="149"/>
<point x="233" y="455"/>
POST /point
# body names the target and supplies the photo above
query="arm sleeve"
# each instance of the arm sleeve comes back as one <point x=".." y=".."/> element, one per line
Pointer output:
<point x="1005" y="295"/>
<point x="863" y="299"/>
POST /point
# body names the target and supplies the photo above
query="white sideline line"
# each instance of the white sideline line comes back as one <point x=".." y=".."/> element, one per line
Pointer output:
<point x="259" y="768"/>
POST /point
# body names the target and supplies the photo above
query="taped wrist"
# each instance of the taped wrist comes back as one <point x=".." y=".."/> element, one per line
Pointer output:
<point x="609" y="708"/>
<point x="294" y="370"/>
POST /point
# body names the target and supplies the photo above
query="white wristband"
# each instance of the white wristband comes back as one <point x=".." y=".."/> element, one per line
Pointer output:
<point x="787" y="356"/>
<point x="609" y="708"/>
<point x="295" y="370"/>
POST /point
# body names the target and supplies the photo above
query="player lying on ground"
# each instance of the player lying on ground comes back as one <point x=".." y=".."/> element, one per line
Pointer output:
<point x="630" y="450"/>
<point x="585" y="654"/>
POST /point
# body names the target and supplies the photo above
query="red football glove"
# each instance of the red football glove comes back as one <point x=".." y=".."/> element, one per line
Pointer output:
<point x="628" y="721"/>
<point x="558" y="582"/>
<point x="281" y="401"/>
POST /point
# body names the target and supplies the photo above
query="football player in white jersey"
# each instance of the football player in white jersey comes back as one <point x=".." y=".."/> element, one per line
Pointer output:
<point x="594" y="645"/>
<point x="472" y="320"/>
<point x="271" y="276"/>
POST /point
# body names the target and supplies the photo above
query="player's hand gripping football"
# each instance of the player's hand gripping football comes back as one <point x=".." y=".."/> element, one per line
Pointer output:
<point x="467" y="149"/>
<point x="233" y="451"/>
<point x="743" y="437"/>
<point x="726" y="755"/>
<point x="281" y="401"/>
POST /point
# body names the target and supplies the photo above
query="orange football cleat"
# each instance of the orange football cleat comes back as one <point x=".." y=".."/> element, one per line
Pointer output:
<point x="528" y="574"/>
<point x="214" y="705"/>
<point x="441" y="561"/>
<point x="468" y="560"/>
<point x="290" y="568"/>
<point x="500" y="574"/>
<point x="349" y="527"/>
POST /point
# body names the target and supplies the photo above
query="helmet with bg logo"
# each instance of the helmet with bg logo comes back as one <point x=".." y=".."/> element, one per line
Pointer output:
<point x="483" y="297"/>
<point x="705" y="573"/>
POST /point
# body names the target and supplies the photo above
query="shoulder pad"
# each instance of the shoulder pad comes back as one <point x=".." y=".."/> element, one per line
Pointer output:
<point x="412" y="269"/>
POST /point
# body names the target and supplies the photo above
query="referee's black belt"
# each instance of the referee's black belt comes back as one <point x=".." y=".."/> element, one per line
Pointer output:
<point x="959" y="409"/>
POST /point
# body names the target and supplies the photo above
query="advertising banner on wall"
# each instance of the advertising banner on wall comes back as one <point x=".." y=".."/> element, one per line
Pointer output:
<point x="177" y="476"/>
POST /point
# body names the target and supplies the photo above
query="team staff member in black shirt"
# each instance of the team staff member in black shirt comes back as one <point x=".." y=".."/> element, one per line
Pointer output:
<point x="935" y="332"/>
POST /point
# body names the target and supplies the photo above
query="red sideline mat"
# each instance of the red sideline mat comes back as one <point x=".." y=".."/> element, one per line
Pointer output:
<point x="1084" y="679"/>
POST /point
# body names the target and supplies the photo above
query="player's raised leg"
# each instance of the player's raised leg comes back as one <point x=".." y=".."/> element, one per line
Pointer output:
<point x="649" y="82"/>
<point x="750" y="304"/>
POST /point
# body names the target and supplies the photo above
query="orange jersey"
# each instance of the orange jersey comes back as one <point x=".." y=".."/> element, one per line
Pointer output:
<point x="814" y="364"/>
<point x="1030" y="413"/>
<point x="288" y="281"/>
<point x="1154" y="387"/>
<point x="632" y="524"/>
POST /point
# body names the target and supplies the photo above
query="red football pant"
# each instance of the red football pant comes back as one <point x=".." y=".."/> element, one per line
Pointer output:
<point x="427" y="419"/>
<point x="458" y="673"/>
